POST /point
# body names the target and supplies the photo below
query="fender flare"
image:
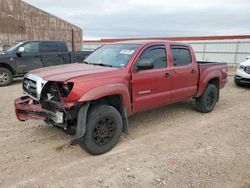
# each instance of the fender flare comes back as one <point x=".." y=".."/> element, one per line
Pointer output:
<point x="205" y="81"/>
<point x="7" y="66"/>
<point x="108" y="90"/>
<point x="97" y="93"/>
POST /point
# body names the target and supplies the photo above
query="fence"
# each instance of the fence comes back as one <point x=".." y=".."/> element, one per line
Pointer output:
<point x="229" y="52"/>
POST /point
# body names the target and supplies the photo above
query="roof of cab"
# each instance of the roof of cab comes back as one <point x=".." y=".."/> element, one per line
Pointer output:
<point x="145" y="42"/>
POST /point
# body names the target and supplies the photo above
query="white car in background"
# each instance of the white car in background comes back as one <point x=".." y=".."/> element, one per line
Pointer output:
<point x="242" y="76"/>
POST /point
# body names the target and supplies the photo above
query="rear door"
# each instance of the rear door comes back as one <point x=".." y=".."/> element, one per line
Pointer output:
<point x="30" y="58"/>
<point x="63" y="53"/>
<point x="151" y="88"/>
<point x="184" y="74"/>
<point x="53" y="53"/>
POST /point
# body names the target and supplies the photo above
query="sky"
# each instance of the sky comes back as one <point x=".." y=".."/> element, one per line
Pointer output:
<point x="152" y="18"/>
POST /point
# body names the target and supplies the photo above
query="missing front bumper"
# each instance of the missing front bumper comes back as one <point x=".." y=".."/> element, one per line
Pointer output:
<point x="25" y="109"/>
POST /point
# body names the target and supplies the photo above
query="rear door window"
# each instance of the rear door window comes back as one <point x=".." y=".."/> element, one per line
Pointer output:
<point x="48" y="47"/>
<point x="181" y="56"/>
<point x="62" y="47"/>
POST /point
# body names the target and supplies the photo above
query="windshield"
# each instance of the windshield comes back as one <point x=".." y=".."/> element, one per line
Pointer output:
<point x="14" y="47"/>
<point x="113" y="55"/>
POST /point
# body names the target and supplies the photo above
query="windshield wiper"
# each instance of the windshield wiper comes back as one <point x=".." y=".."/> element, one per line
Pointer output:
<point x="87" y="62"/>
<point x="100" y="64"/>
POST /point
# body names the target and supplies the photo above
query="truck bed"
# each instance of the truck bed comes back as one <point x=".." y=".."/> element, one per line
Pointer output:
<point x="208" y="62"/>
<point x="208" y="70"/>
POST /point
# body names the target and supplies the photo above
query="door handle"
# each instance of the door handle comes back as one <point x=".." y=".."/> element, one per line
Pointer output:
<point x="167" y="75"/>
<point x="193" y="72"/>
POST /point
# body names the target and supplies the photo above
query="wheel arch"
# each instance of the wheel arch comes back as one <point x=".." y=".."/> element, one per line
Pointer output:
<point x="210" y="79"/>
<point x="107" y="92"/>
<point x="4" y="65"/>
<point x="116" y="95"/>
<point x="117" y="102"/>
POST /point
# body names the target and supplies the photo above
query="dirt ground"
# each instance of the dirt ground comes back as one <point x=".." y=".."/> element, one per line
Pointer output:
<point x="173" y="146"/>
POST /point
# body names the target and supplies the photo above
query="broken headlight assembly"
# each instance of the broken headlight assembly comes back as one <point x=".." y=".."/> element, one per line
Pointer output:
<point x="56" y="90"/>
<point x="65" y="88"/>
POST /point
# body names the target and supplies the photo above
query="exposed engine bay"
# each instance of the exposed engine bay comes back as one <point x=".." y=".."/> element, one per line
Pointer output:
<point x="50" y="96"/>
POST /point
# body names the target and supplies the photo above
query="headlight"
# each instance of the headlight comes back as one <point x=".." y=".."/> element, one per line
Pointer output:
<point x="242" y="67"/>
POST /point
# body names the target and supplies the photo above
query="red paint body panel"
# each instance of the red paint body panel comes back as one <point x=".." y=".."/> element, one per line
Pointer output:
<point x="139" y="90"/>
<point x="69" y="71"/>
<point x="208" y="72"/>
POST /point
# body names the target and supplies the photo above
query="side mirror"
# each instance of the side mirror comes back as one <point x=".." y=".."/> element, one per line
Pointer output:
<point x="144" y="64"/>
<point x="20" y="51"/>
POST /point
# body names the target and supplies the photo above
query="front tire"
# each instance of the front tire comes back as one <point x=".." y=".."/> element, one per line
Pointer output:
<point x="237" y="82"/>
<point x="103" y="130"/>
<point x="6" y="77"/>
<point x="208" y="100"/>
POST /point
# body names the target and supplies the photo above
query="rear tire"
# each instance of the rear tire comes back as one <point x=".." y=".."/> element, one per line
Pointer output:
<point x="208" y="100"/>
<point x="6" y="77"/>
<point x="103" y="129"/>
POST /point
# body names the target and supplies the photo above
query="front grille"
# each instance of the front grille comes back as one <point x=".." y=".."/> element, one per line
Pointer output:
<point x="30" y="87"/>
<point x="247" y="69"/>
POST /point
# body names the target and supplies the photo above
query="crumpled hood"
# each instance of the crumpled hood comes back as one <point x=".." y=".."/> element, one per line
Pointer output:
<point x="69" y="71"/>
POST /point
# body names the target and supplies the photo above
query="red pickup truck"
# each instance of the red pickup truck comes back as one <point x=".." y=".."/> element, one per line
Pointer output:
<point x="95" y="97"/>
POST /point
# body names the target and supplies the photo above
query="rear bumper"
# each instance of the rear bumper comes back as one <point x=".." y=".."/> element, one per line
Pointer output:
<point x="25" y="109"/>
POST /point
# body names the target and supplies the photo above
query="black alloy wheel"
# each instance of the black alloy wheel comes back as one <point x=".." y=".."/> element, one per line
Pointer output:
<point x="103" y="129"/>
<point x="207" y="101"/>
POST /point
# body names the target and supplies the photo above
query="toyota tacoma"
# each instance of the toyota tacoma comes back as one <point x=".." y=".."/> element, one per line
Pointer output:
<point x="94" y="98"/>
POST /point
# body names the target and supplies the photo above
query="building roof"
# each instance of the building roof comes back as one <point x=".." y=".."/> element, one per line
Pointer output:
<point x="49" y="14"/>
<point x="171" y="38"/>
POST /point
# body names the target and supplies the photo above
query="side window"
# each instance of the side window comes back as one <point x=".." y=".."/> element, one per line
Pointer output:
<point x="157" y="54"/>
<point x="48" y="47"/>
<point x="61" y="47"/>
<point x="31" y="47"/>
<point x="181" y="56"/>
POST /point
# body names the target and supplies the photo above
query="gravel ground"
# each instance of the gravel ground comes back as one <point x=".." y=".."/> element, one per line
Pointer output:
<point x="173" y="146"/>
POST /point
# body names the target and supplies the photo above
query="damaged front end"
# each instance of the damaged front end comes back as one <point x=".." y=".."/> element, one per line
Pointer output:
<point x="45" y="101"/>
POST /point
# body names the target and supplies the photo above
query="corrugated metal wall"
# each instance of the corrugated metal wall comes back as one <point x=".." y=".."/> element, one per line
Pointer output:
<point x="20" y="21"/>
<point x="228" y="51"/>
<point x="231" y="52"/>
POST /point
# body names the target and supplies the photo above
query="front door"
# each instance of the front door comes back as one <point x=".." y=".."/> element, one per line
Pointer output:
<point x="151" y="88"/>
<point x="30" y="59"/>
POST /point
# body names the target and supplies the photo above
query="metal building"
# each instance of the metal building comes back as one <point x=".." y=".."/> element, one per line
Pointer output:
<point x="21" y="21"/>
<point x="229" y="49"/>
